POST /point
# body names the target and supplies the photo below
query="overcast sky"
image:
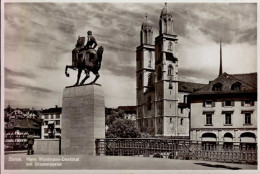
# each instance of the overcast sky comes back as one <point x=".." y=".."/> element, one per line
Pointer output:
<point x="39" y="38"/>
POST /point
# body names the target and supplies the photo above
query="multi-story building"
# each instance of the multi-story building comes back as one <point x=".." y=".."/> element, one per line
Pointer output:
<point x="129" y="112"/>
<point x="51" y="127"/>
<point x="225" y="110"/>
<point x="161" y="108"/>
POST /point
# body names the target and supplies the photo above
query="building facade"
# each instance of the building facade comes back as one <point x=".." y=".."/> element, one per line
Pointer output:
<point x="161" y="108"/>
<point x="225" y="110"/>
<point x="51" y="127"/>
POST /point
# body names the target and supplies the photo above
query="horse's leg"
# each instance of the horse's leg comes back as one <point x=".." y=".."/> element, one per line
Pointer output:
<point x="97" y="76"/>
<point x="71" y="67"/>
<point x="79" y="74"/>
<point x="87" y="76"/>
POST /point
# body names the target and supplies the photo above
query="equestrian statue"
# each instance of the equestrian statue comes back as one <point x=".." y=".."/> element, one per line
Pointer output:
<point x="86" y="58"/>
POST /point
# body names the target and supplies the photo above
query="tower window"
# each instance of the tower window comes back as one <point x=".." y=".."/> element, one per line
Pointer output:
<point x="149" y="79"/>
<point x="140" y="80"/>
<point x="149" y="107"/>
<point x="181" y="121"/>
<point x="170" y="70"/>
<point x="150" y="59"/>
<point x="159" y="73"/>
<point x="170" y="45"/>
<point x="170" y="120"/>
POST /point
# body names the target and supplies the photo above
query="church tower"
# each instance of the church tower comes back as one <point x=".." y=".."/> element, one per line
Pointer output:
<point x="166" y="81"/>
<point x="145" y="62"/>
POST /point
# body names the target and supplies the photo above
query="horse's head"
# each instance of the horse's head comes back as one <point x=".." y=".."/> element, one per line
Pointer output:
<point x="80" y="41"/>
<point x="100" y="50"/>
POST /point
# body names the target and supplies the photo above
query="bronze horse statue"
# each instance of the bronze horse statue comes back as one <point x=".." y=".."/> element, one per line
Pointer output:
<point x="87" y="60"/>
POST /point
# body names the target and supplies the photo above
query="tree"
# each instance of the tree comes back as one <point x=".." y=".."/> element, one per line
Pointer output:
<point x="121" y="128"/>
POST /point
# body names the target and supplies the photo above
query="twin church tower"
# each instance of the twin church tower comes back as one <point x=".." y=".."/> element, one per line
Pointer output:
<point x="161" y="103"/>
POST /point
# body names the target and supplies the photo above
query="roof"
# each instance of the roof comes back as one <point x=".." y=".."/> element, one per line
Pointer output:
<point x="248" y="84"/>
<point x="127" y="108"/>
<point x="165" y="11"/>
<point x="26" y="123"/>
<point x="189" y="86"/>
<point x="52" y="110"/>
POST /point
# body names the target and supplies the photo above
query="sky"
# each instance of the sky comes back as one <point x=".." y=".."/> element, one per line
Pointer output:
<point x="39" y="37"/>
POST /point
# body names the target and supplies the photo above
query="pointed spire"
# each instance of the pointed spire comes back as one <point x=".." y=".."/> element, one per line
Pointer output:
<point x="220" y="66"/>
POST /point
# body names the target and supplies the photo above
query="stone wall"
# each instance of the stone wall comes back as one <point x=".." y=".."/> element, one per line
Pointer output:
<point x="46" y="146"/>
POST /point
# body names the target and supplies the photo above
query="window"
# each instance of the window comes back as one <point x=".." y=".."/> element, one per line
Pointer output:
<point x="208" y="119"/>
<point x="217" y="87"/>
<point x="46" y="116"/>
<point x="57" y="122"/>
<point x="170" y="45"/>
<point x="150" y="59"/>
<point x="247" y="118"/>
<point x="181" y="121"/>
<point x="159" y="73"/>
<point x="151" y="123"/>
<point x="52" y="116"/>
<point x="236" y="86"/>
<point x="140" y="80"/>
<point x="45" y="130"/>
<point x="248" y="103"/>
<point x="58" y="116"/>
<point x="149" y="106"/>
<point x="227" y="103"/>
<point x="170" y="120"/>
<point x="208" y="103"/>
<point x="149" y="79"/>
<point x="170" y="70"/>
<point x="228" y="118"/>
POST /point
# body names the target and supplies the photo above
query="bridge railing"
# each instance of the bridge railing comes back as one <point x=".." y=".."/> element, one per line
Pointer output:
<point x="178" y="149"/>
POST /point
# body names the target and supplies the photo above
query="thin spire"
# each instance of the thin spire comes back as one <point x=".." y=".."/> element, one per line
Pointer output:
<point x="146" y="16"/>
<point x="220" y="65"/>
<point x="165" y="4"/>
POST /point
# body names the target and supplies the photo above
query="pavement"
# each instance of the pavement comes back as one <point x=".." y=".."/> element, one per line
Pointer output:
<point x="78" y="162"/>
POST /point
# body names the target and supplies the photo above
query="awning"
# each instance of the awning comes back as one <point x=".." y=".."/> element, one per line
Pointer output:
<point x="51" y="122"/>
<point x="248" y="139"/>
<point x="247" y="111"/>
<point x="209" y="139"/>
<point x="228" y="139"/>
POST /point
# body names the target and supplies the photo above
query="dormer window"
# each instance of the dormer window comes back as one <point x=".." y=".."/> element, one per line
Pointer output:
<point x="236" y="86"/>
<point x="217" y="87"/>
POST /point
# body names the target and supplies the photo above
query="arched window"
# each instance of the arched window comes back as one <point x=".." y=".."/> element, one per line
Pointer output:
<point x="149" y="106"/>
<point x="217" y="87"/>
<point x="170" y="45"/>
<point x="236" y="86"/>
<point x="150" y="59"/>
<point x="159" y="73"/>
<point x="149" y="79"/>
<point x="170" y="70"/>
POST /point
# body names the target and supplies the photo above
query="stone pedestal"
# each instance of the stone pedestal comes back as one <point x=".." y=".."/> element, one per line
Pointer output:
<point x="83" y="119"/>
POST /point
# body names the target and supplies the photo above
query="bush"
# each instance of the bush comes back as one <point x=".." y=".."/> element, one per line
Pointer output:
<point x="121" y="128"/>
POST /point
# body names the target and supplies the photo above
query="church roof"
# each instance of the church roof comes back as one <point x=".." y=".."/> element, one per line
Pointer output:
<point x="245" y="82"/>
<point x="189" y="86"/>
<point x="146" y="24"/>
<point x="165" y="11"/>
